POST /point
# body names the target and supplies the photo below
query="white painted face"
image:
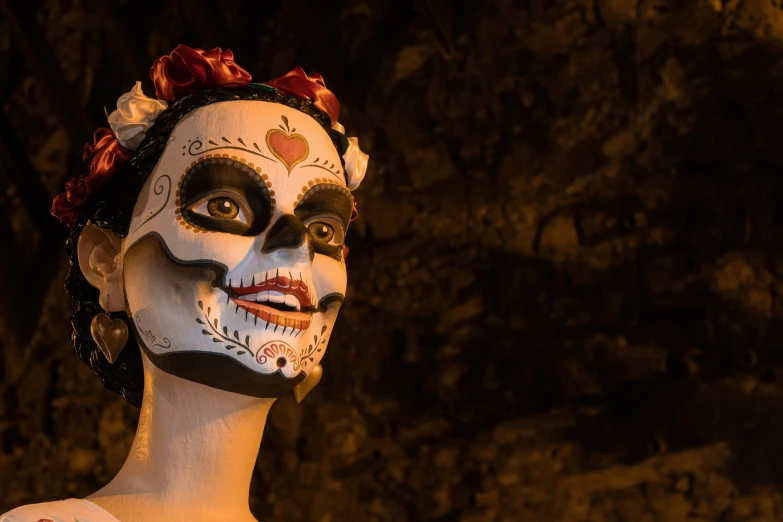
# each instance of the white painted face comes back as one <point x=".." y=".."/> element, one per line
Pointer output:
<point x="233" y="263"/>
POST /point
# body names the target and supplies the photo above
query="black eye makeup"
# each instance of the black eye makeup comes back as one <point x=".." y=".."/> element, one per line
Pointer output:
<point x="325" y="210"/>
<point x="224" y="194"/>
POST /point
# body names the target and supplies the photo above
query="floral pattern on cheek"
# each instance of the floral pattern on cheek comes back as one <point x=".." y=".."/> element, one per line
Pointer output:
<point x="254" y="172"/>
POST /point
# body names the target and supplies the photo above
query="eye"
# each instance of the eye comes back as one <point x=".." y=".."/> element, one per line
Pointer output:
<point x="326" y="230"/>
<point x="321" y="231"/>
<point x="223" y="206"/>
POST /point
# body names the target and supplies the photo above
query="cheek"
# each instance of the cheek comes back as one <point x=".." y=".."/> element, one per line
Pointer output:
<point x="329" y="276"/>
<point x="150" y="277"/>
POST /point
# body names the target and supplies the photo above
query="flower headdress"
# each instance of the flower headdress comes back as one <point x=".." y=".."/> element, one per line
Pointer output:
<point x="184" y="71"/>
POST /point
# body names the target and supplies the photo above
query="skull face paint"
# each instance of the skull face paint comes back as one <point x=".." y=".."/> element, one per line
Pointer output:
<point x="233" y="263"/>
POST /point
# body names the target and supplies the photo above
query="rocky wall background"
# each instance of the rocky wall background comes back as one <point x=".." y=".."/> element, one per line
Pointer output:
<point x="566" y="279"/>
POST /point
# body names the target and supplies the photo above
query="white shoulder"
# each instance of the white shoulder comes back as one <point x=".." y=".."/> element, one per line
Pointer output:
<point x="71" y="510"/>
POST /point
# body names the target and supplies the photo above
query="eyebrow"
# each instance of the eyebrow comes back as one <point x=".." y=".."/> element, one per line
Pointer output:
<point x="327" y="198"/>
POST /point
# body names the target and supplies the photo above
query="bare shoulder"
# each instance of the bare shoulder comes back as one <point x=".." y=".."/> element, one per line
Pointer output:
<point x="71" y="510"/>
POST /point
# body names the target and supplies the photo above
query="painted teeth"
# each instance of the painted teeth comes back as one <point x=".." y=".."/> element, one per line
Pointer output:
<point x="274" y="279"/>
<point x="277" y="297"/>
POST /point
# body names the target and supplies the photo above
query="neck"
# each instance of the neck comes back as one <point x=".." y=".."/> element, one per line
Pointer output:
<point x="194" y="452"/>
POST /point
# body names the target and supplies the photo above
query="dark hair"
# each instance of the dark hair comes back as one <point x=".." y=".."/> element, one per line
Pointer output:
<point x="111" y="208"/>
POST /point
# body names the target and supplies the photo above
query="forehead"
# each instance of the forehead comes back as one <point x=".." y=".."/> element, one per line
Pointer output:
<point x="282" y="142"/>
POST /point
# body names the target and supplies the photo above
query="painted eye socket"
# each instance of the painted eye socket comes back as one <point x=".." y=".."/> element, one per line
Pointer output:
<point x="223" y="206"/>
<point x="326" y="230"/>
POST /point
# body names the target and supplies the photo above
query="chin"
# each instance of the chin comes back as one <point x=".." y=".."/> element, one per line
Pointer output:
<point x="259" y="334"/>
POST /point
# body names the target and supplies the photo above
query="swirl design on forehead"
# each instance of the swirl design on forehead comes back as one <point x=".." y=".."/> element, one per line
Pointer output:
<point x="252" y="171"/>
<point x="317" y="163"/>
<point x="196" y="146"/>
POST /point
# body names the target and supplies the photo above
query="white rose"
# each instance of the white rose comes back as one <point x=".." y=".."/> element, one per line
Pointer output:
<point x="134" y="115"/>
<point x="355" y="164"/>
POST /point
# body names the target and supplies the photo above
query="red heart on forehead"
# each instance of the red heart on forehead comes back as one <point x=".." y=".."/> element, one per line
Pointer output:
<point x="291" y="149"/>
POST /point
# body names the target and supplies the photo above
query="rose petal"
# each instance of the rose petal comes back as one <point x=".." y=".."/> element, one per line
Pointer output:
<point x="355" y="164"/>
<point x="188" y="69"/>
<point x="297" y="83"/>
<point x="134" y="115"/>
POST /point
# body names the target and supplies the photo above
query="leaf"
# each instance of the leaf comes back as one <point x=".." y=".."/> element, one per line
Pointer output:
<point x="281" y="127"/>
<point x="293" y="130"/>
<point x="216" y="322"/>
<point x="230" y="347"/>
<point x="262" y="87"/>
<point x="315" y="339"/>
<point x="236" y="335"/>
<point x="323" y="329"/>
<point x="240" y="352"/>
<point x="205" y="332"/>
<point x="209" y="309"/>
<point x="318" y="350"/>
<point x="247" y="340"/>
<point x="309" y="348"/>
<point x="217" y="340"/>
<point x="199" y="321"/>
<point x="201" y="305"/>
<point x="225" y="330"/>
<point x="285" y="120"/>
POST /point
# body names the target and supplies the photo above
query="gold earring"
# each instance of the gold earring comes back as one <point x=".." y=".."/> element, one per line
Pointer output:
<point x="306" y="386"/>
<point x="110" y="335"/>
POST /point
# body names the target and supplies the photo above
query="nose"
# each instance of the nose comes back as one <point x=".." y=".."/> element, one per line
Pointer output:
<point x="287" y="233"/>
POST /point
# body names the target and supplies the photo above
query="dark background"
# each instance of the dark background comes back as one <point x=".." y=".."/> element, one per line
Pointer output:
<point x="566" y="285"/>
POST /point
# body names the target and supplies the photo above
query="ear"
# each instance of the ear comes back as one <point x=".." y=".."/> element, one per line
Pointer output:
<point x="100" y="261"/>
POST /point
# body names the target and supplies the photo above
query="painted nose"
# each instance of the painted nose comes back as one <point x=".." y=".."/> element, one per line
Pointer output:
<point x="288" y="232"/>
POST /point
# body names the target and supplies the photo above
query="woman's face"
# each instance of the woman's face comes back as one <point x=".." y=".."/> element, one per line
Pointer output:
<point x="233" y="265"/>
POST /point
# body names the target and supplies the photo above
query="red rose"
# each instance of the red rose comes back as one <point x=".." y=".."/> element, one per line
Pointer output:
<point x="296" y="82"/>
<point x="104" y="156"/>
<point x="65" y="206"/>
<point x="188" y="70"/>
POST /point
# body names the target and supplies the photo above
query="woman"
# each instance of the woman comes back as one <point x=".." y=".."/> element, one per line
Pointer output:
<point x="212" y="223"/>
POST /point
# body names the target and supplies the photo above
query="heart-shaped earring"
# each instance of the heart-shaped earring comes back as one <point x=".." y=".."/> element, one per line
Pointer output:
<point x="110" y="335"/>
<point x="307" y="385"/>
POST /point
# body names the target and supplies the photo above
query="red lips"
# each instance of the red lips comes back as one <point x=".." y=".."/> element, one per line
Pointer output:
<point x="295" y="320"/>
<point x="282" y="284"/>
